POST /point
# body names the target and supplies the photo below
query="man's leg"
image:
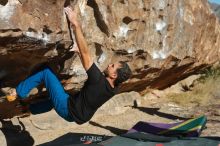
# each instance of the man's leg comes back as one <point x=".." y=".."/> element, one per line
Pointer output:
<point x="58" y="96"/>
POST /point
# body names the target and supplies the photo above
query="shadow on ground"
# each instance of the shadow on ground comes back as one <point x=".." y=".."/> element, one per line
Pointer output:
<point x="114" y="130"/>
<point x="155" y="111"/>
<point x="16" y="135"/>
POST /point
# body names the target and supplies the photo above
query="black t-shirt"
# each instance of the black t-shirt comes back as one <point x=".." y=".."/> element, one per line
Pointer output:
<point x="95" y="92"/>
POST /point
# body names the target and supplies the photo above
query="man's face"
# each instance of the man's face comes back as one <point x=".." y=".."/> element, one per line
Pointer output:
<point x="111" y="70"/>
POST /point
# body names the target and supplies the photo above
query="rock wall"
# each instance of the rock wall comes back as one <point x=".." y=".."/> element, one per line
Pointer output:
<point x="163" y="41"/>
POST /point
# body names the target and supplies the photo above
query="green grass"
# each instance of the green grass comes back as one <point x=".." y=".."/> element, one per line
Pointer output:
<point x="210" y="73"/>
<point x="206" y="90"/>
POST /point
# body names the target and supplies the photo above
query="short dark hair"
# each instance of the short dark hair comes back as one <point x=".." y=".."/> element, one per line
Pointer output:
<point x="124" y="73"/>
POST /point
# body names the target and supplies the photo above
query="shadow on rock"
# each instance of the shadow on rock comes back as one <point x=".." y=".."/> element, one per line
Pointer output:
<point x="16" y="134"/>
<point x="1" y="93"/>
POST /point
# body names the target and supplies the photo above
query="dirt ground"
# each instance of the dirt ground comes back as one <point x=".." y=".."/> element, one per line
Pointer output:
<point x="168" y="106"/>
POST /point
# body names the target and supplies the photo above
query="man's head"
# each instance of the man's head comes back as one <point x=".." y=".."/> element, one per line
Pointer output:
<point x="118" y="72"/>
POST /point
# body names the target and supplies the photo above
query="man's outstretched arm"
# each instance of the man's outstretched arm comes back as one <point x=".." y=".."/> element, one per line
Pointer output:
<point x="80" y="40"/>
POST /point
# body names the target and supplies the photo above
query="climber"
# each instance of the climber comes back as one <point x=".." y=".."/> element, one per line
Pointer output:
<point x="99" y="87"/>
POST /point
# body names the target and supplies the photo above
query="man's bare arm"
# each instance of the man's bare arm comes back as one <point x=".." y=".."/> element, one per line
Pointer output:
<point x="80" y="40"/>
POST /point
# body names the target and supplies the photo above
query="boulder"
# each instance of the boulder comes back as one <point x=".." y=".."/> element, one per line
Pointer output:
<point x="162" y="41"/>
